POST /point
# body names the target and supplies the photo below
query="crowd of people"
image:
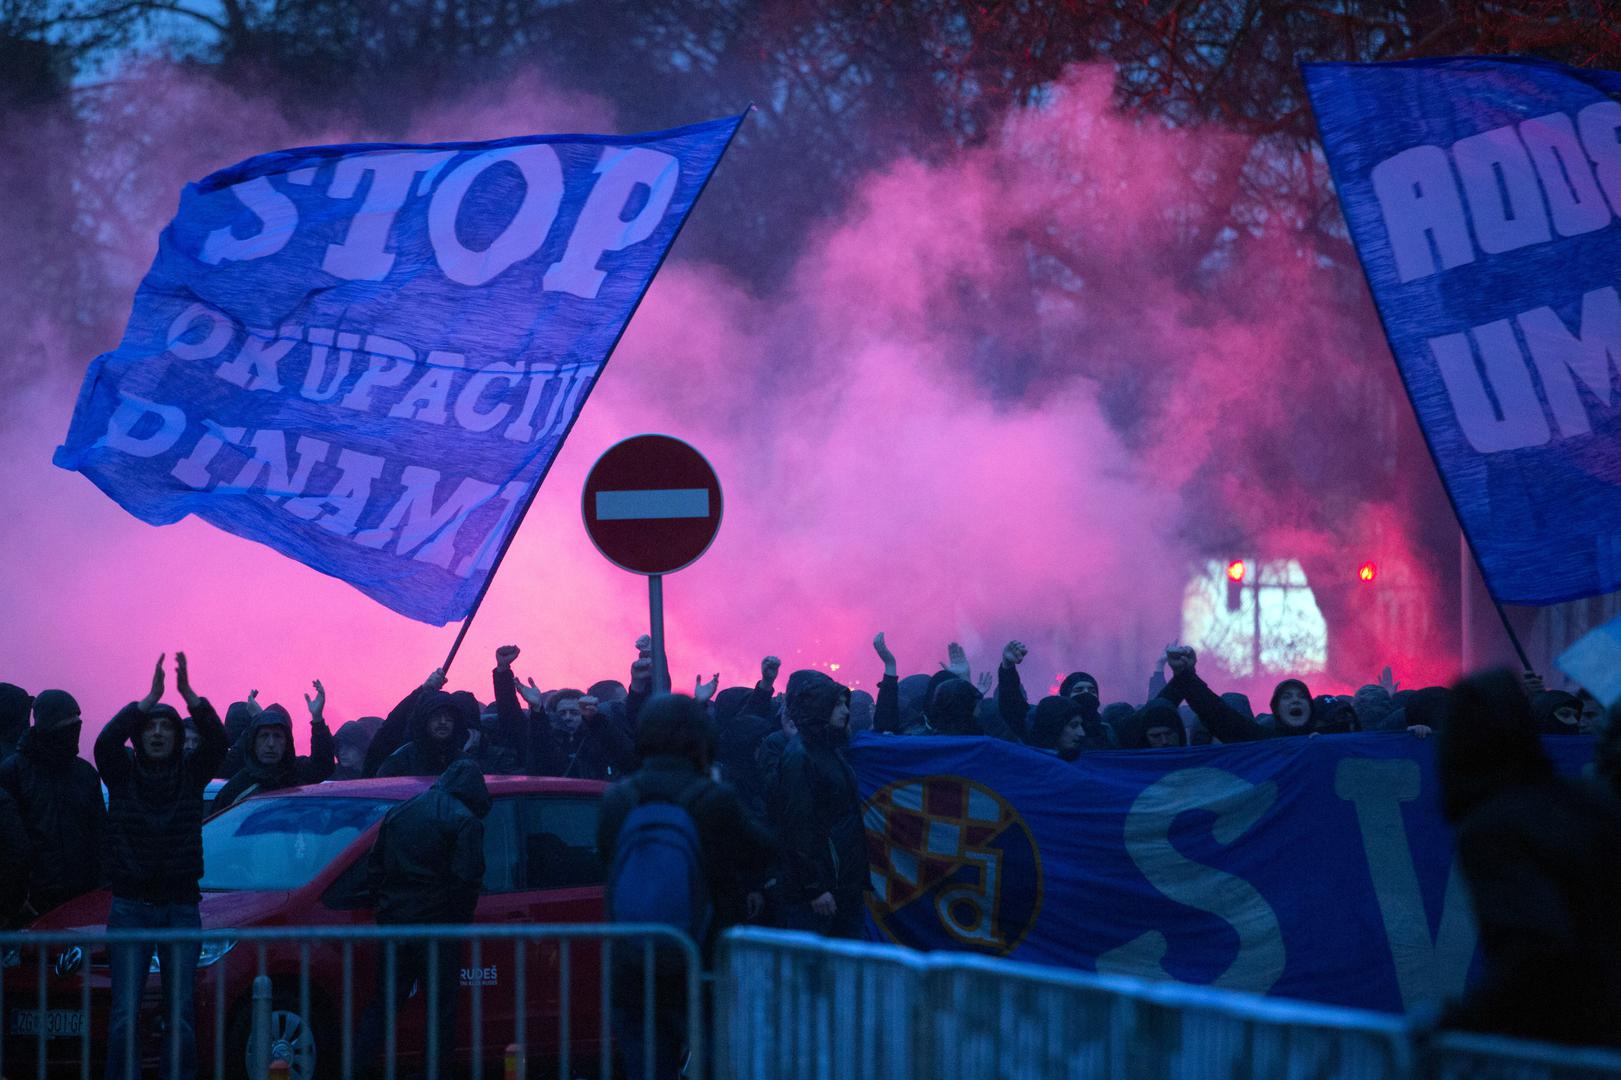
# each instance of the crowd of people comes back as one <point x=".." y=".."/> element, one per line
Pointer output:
<point x="744" y="794"/>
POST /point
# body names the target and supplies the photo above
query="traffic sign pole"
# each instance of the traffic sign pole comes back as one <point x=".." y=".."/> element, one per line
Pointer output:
<point x="655" y="618"/>
<point x="652" y="505"/>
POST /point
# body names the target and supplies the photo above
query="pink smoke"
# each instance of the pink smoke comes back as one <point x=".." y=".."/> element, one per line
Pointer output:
<point x="999" y="398"/>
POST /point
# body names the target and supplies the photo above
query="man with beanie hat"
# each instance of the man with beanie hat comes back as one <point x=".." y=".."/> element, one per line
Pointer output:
<point x="155" y="856"/>
<point x="1078" y="687"/>
<point x="824" y="840"/>
<point x="14" y="705"/>
<point x="271" y="763"/>
<point x="59" y="797"/>
<point x="1538" y="856"/>
<point x="1156" y="726"/>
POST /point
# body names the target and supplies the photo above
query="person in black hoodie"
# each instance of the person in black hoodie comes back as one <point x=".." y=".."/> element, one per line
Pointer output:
<point x="154" y="854"/>
<point x="824" y="840"/>
<point x="1078" y="687"/>
<point x="1156" y="726"/>
<point x="439" y="728"/>
<point x="58" y="795"/>
<point x="350" y="743"/>
<point x="395" y="730"/>
<point x="1539" y="857"/>
<point x="676" y="744"/>
<point x="743" y="721"/>
<point x="426" y="867"/>
<point x="14" y="847"/>
<point x="558" y="742"/>
<point x="271" y="762"/>
<point x="1557" y="713"/>
<point x="1291" y="703"/>
<point x="14" y="705"/>
<point x="1056" y="727"/>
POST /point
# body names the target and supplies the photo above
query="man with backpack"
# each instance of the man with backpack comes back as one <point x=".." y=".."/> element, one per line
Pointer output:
<point x="681" y="851"/>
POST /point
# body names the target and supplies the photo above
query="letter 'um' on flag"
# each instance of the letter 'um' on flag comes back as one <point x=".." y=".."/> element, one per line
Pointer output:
<point x="367" y="356"/>
<point x="1484" y="199"/>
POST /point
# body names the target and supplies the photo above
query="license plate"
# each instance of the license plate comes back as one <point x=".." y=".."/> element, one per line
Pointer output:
<point x="58" y="1023"/>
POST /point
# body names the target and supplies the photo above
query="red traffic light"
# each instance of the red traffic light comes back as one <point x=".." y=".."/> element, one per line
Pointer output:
<point x="1367" y="571"/>
<point x="1235" y="570"/>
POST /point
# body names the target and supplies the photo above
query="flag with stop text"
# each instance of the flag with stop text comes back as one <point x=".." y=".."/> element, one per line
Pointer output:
<point x="367" y="356"/>
<point x="1484" y="199"/>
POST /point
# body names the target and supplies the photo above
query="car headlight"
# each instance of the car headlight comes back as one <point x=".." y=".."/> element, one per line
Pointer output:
<point x="212" y="952"/>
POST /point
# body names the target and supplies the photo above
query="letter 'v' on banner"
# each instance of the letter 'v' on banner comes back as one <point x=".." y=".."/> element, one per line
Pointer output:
<point x="1483" y="196"/>
<point x="366" y="356"/>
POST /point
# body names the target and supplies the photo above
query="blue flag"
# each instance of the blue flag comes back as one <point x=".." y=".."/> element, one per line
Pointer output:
<point x="367" y="356"/>
<point x="1482" y="196"/>
<point x="1318" y="869"/>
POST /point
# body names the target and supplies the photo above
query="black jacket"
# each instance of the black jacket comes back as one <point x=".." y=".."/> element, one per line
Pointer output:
<point x="1539" y="856"/>
<point x="423" y="756"/>
<point x="1017" y="716"/>
<point x="427" y="864"/>
<point x="394" y="732"/>
<point x="824" y="841"/>
<point x="14" y="847"/>
<point x="599" y="747"/>
<point x="742" y="730"/>
<point x="1218" y="717"/>
<point x="737" y="853"/>
<point x="154" y="846"/>
<point x="290" y="771"/>
<point x="59" y="797"/>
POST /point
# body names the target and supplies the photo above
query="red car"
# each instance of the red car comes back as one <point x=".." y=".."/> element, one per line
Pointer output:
<point x="298" y="858"/>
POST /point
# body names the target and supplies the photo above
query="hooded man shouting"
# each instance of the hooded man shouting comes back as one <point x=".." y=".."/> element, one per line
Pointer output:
<point x="270" y="763"/>
<point x="59" y="797"/>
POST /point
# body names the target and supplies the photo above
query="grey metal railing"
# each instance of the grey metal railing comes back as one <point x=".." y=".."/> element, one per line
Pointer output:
<point x="793" y="1005"/>
<point x="57" y="987"/>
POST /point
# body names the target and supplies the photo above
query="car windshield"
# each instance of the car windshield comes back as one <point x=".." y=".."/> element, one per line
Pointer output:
<point x="273" y="844"/>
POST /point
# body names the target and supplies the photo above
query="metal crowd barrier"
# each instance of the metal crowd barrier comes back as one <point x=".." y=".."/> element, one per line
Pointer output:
<point x="791" y="1005"/>
<point x="1457" y="1056"/>
<point x="49" y="1015"/>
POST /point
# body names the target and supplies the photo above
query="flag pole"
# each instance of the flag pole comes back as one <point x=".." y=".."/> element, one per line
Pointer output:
<point x="517" y="520"/>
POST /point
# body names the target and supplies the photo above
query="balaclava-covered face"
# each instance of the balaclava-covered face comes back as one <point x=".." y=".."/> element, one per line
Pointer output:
<point x="57" y="724"/>
<point x="1081" y="688"/>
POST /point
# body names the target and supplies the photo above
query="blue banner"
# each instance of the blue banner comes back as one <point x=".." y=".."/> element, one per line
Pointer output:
<point x="366" y="356"/>
<point x="1317" y="869"/>
<point x="1482" y="197"/>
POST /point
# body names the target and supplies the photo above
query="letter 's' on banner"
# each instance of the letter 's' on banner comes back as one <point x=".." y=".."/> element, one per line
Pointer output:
<point x="1484" y="198"/>
<point x="367" y="356"/>
<point x="1316" y="869"/>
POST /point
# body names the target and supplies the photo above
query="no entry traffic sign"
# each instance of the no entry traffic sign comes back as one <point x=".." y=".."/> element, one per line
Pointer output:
<point x="651" y="504"/>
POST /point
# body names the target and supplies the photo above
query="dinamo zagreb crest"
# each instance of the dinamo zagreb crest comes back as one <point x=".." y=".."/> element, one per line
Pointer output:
<point x="954" y="866"/>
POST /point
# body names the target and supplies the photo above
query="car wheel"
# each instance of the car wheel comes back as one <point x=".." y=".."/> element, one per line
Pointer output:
<point x="294" y="1038"/>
